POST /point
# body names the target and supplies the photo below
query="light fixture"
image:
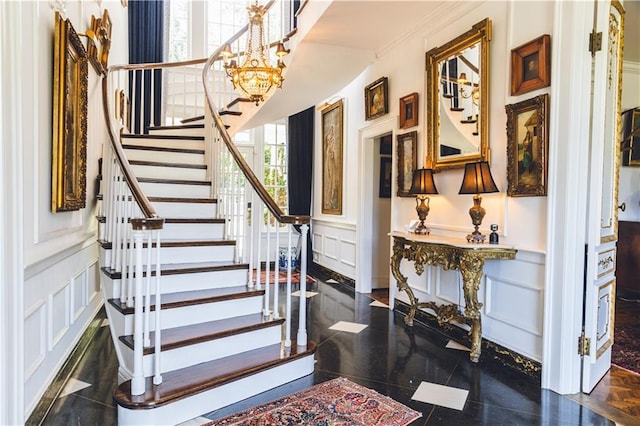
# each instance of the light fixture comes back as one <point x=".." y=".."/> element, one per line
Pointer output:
<point x="475" y="91"/>
<point x="255" y="78"/>
<point x="477" y="180"/>
<point x="421" y="185"/>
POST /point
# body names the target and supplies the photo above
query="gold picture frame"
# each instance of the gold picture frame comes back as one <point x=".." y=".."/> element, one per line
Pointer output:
<point x="92" y="48"/>
<point x="332" y="143"/>
<point x="69" y="150"/>
<point x="409" y="111"/>
<point x="376" y="99"/>
<point x="407" y="161"/>
<point x="531" y="65"/>
<point x="527" y="147"/>
<point x="104" y="35"/>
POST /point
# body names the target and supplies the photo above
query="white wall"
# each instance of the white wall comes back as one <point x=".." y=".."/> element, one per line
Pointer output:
<point x="59" y="286"/>
<point x="629" y="183"/>
<point x="513" y="291"/>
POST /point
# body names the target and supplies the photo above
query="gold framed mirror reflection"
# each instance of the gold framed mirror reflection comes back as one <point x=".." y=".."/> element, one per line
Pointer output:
<point x="457" y="101"/>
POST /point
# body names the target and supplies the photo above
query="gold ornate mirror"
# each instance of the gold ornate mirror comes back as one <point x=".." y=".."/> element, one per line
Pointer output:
<point x="458" y="99"/>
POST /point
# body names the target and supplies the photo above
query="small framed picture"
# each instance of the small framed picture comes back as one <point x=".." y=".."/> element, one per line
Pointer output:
<point x="409" y="111"/>
<point x="630" y="145"/>
<point x="531" y="65"/>
<point x="385" y="177"/>
<point x="527" y="139"/>
<point x="376" y="101"/>
<point x="407" y="161"/>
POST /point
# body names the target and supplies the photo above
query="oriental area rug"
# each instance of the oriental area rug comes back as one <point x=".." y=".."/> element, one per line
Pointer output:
<point x="282" y="276"/>
<point x="335" y="402"/>
<point x="626" y="347"/>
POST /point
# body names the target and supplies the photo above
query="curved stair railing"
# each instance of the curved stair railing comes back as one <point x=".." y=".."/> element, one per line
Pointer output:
<point x="131" y="228"/>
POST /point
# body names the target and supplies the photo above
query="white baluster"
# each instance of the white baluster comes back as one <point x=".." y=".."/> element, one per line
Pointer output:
<point x="302" y="315"/>
<point x="267" y="279"/>
<point x="137" y="381"/>
<point x="287" y="341"/>
<point x="147" y="294"/>
<point x="157" y="378"/>
<point x="276" y="274"/>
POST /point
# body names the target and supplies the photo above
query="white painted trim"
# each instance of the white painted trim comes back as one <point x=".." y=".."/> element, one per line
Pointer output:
<point x="11" y="226"/>
<point x="567" y="198"/>
<point x="364" y="247"/>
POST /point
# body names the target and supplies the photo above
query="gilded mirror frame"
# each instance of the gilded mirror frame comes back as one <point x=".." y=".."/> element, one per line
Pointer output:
<point x="480" y="34"/>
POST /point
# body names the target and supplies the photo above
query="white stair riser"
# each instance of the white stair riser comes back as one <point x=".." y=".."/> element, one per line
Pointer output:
<point x="221" y="396"/>
<point x="187" y="356"/>
<point x="165" y="143"/>
<point x="186" y="210"/>
<point x="193" y="230"/>
<point x="192" y="314"/>
<point x="160" y="156"/>
<point x="164" y="172"/>
<point x="190" y="254"/>
<point x="153" y="189"/>
<point x="178" y="132"/>
<point x="183" y="282"/>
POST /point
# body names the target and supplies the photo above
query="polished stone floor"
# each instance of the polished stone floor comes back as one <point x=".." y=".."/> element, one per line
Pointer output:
<point x="384" y="355"/>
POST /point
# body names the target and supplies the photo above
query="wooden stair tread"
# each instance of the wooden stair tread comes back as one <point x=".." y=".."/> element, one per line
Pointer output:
<point x="468" y="121"/>
<point x="193" y="220"/>
<point x="175" y="181"/>
<point x="164" y="164"/>
<point x="182" y="268"/>
<point x="179" y="127"/>
<point x="163" y="149"/>
<point x="237" y="100"/>
<point x="195" y="297"/>
<point x="192" y="119"/>
<point x="456" y="109"/>
<point x="183" y="200"/>
<point x="163" y="137"/>
<point x="192" y="380"/>
<point x="230" y="112"/>
<point x="192" y="334"/>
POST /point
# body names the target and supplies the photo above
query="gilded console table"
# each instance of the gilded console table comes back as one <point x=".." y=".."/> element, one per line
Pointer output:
<point x="449" y="253"/>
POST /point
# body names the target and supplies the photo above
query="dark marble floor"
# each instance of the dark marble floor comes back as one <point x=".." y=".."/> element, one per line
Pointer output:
<point x="386" y="356"/>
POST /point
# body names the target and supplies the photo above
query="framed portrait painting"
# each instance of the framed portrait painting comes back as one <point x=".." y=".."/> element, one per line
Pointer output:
<point x="409" y="111"/>
<point x="376" y="102"/>
<point x="332" y="159"/>
<point x="527" y="146"/>
<point x="385" y="178"/>
<point x="531" y="66"/>
<point x="69" y="150"/>
<point x="407" y="161"/>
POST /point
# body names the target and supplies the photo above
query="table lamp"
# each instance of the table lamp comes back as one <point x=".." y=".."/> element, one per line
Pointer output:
<point x="477" y="180"/>
<point x="421" y="185"/>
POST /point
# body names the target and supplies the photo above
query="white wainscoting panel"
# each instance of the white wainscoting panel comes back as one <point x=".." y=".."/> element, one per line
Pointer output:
<point x="334" y="246"/>
<point x="35" y="346"/>
<point x="59" y="314"/>
<point x="78" y="295"/>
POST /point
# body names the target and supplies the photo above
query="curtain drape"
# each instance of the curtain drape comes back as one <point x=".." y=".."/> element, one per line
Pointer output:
<point x="146" y="45"/>
<point x="300" y="166"/>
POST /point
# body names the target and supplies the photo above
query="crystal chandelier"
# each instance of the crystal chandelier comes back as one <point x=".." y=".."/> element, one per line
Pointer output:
<point x="255" y="78"/>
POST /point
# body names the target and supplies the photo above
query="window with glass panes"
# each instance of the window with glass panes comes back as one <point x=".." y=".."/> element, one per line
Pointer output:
<point x="275" y="166"/>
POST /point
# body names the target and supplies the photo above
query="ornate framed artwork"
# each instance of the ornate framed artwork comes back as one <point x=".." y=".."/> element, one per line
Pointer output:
<point x="385" y="178"/>
<point x="531" y="65"/>
<point x="69" y="150"/>
<point x="527" y="147"/>
<point x="630" y="145"/>
<point x="409" y="111"/>
<point x="332" y="158"/>
<point x="407" y="161"/>
<point x="92" y="48"/>
<point x="376" y="102"/>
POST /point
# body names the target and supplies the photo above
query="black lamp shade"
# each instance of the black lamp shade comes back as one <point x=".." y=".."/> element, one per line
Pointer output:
<point x="422" y="182"/>
<point x="477" y="179"/>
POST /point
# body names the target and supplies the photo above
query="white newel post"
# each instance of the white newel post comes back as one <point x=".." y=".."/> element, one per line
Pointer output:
<point x="302" y="326"/>
<point x="137" y="381"/>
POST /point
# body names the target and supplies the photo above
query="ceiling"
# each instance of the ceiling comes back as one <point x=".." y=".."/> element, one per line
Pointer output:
<point x="342" y="43"/>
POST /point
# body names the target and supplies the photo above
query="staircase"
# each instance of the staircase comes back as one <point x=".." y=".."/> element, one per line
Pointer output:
<point x="217" y="345"/>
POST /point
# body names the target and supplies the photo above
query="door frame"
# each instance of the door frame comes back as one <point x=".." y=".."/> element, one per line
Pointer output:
<point x="364" y="264"/>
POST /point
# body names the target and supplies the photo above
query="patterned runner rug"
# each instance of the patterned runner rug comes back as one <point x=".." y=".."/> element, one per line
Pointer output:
<point x="626" y="347"/>
<point x="282" y="276"/>
<point x="336" y="402"/>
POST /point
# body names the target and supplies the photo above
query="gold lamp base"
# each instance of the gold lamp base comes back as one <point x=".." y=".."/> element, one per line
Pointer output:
<point x="422" y="209"/>
<point x="477" y="213"/>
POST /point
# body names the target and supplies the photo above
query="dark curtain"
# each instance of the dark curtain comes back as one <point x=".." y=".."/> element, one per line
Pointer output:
<point x="146" y="35"/>
<point x="300" y="166"/>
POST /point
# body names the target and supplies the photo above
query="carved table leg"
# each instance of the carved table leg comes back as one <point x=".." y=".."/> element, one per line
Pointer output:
<point x="471" y="266"/>
<point x="396" y="258"/>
